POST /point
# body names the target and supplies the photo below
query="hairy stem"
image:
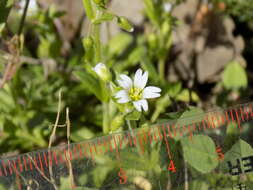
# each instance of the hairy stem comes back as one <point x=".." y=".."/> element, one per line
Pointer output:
<point x="22" y="22"/>
<point x="97" y="42"/>
<point x="106" y="118"/>
<point x="161" y="68"/>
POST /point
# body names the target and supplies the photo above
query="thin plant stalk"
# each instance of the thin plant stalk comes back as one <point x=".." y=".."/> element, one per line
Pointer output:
<point x="52" y="137"/>
<point x="71" y="175"/>
<point x="106" y="118"/>
<point x="22" y="22"/>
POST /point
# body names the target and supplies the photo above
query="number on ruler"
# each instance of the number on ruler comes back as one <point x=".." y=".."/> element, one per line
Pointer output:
<point x="172" y="167"/>
<point x="122" y="176"/>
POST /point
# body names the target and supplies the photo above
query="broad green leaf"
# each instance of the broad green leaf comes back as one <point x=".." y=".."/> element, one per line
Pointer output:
<point x="238" y="150"/>
<point x="234" y="76"/>
<point x="200" y="153"/>
<point x="119" y="43"/>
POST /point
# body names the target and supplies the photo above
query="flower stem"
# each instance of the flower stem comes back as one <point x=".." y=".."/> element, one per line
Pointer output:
<point x="106" y="118"/>
<point x="161" y="68"/>
<point x="21" y="25"/>
<point x="97" y="42"/>
<point x="132" y="134"/>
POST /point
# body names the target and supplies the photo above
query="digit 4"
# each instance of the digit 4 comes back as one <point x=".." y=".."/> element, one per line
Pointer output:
<point x="172" y="167"/>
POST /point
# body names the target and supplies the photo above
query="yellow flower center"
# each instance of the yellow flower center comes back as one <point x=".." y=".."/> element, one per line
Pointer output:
<point x="135" y="94"/>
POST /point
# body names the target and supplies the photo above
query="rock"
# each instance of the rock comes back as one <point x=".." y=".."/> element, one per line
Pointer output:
<point x="206" y="44"/>
<point x="211" y="61"/>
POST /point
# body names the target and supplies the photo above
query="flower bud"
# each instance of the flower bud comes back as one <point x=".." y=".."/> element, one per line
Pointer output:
<point x="103" y="72"/>
<point x="152" y="41"/>
<point x="125" y="24"/>
<point x="87" y="43"/>
<point x="167" y="7"/>
<point x="166" y="28"/>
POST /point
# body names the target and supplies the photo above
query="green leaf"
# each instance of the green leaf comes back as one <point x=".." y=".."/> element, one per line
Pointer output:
<point x="149" y="66"/>
<point x="136" y="55"/>
<point x="174" y="89"/>
<point x="82" y="134"/>
<point x="119" y="43"/>
<point x="189" y="117"/>
<point x="161" y="104"/>
<point x="232" y="134"/>
<point x="185" y="96"/>
<point x="150" y="11"/>
<point x="5" y="7"/>
<point x="91" y="83"/>
<point x="192" y="112"/>
<point x="105" y="17"/>
<point x="135" y="115"/>
<point x="99" y="174"/>
<point x="200" y="153"/>
<point x="238" y="150"/>
<point x="234" y="76"/>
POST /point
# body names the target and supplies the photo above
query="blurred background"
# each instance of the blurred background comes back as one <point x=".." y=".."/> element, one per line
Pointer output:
<point x="198" y="51"/>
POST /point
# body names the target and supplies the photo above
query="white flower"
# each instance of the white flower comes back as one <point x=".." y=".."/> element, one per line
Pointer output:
<point x="135" y="91"/>
<point x="167" y="7"/>
<point x="102" y="71"/>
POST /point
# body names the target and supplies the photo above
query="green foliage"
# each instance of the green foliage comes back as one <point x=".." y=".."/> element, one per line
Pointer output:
<point x="239" y="150"/>
<point x="203" y="149"/>
<point x="240" y="9"/>
<point x="234" y="76"/>
<point x="28" y="101"/>
<point x="5" y="7"/>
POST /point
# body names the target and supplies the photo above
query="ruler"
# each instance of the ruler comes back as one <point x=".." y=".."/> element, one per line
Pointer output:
<point x="210" y="150"/>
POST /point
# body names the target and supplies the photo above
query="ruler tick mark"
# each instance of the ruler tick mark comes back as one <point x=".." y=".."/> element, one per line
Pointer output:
<point x="20" y="165"/>
<point x="24" y="161"/>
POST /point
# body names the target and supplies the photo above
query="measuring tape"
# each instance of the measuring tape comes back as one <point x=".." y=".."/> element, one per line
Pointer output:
<point x="210" y="150"/>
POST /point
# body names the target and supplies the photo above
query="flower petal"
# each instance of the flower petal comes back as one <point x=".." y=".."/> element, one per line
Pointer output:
<point x="140" y="80"/>
<point x="125" y="81"/>
<point x="122" y="97"/>
<point x="141" y="104"/>
<point x="151" y="92"/>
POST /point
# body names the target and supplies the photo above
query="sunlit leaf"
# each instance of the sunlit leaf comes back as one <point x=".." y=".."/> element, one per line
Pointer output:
<point x="234" y="76"/>
<point x="200" y="153"/>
